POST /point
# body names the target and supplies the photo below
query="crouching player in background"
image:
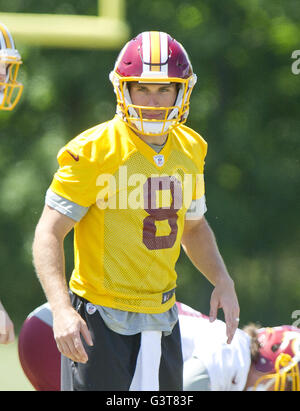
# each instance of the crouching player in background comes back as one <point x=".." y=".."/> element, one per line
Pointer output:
<point x="7" y="333"/>
<point x="10" y="93"/>
<point x="256" y="359"/>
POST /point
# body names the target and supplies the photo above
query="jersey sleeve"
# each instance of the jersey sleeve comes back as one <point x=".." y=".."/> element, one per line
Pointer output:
<point x="64" y="206"/>
<point x="198" y="204"/>
<point x="199" y="154"/>
<point x="75" y="179"/>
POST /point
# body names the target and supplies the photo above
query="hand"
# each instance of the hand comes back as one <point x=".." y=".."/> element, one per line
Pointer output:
<point x="7" y="334"/>
<point x="68" y="325"/>
<point x="224" y="296"/>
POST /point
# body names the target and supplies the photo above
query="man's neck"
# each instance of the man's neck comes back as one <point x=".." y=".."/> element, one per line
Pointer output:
<point x="159" y="140"/>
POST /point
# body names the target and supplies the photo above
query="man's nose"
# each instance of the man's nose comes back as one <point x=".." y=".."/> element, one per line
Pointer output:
<point x="153" y="100"/>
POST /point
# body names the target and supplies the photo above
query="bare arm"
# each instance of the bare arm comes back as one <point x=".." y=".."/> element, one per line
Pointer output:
<point x="199" y="243"/>
<point x="49" y="262"/>
<point x="7" y="334"/>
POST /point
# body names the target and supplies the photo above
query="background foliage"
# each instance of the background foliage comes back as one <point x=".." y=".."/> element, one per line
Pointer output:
<point x="245" y="104"/>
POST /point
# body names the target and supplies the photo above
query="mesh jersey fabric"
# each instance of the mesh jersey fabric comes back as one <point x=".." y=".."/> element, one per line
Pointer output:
<point x="127" y="244"/>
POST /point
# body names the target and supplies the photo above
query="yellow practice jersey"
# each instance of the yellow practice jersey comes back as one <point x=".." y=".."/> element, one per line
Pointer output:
<point x="127" y="244"/>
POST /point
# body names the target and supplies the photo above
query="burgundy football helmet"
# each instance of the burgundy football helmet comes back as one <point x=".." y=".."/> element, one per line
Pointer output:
<point x="279" y="357"/>
<point x="153" y="57"/>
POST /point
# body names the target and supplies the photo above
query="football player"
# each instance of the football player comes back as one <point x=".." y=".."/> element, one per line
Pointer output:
<point x="133" y="190"/>
<point x="257" y="358"/>
<point x="10" y="93"/>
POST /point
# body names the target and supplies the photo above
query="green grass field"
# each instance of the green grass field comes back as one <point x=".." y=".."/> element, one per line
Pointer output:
<point x="12" y="377"/>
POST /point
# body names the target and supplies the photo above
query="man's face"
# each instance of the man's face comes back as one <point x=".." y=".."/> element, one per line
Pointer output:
<point x="153" y="95"/>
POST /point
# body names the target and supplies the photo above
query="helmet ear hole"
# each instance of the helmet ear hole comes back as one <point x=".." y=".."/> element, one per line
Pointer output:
<point x="275" y="347"/>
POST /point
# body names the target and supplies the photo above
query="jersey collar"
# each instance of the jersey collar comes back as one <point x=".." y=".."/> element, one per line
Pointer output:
<point x="157" y="159"/>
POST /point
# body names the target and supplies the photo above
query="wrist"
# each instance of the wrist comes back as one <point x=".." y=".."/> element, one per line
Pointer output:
<point x="59" y="308"/>
<point x="223" y="279"/>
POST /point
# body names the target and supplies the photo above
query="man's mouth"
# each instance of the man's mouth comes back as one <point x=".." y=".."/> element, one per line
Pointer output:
<point x="153" y="116"/>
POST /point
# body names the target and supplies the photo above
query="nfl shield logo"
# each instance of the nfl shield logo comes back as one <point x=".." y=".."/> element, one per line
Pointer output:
<point x="90" y="308"/>
<point x="159" y="160"/>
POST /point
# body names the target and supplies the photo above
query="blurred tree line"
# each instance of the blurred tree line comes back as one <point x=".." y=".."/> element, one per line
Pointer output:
<point x="246" y="106"/>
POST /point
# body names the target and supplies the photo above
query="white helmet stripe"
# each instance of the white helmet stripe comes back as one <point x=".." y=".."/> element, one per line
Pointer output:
<point x="146" y="51"/>
<point x="11" y="40"/>
<point x="2" y="40"/>
<point x="6" y="39"/>
<point x="164" y="53"/>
